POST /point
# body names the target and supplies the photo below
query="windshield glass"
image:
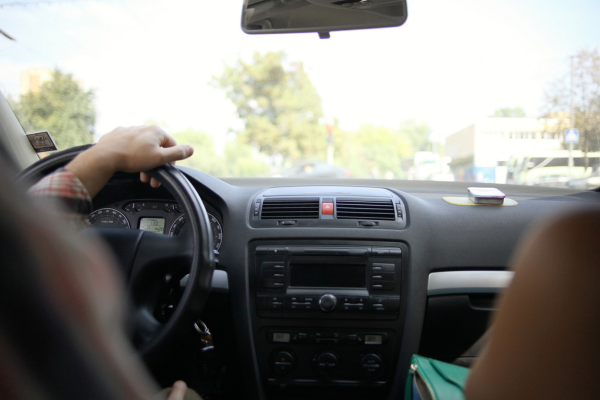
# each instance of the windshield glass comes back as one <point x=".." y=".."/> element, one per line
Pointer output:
<point x="481" y="91"/>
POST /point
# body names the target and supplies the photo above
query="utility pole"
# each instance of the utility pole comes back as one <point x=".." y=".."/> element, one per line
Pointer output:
<point x="572" y="118"/>
<point x="329" y="129"/>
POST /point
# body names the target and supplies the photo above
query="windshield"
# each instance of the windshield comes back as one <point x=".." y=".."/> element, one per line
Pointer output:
<point x="478" y="91"/>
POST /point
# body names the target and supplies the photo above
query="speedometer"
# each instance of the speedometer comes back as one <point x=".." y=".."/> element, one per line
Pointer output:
<point x="217" y="230"/>
<point x="108" y="218"/>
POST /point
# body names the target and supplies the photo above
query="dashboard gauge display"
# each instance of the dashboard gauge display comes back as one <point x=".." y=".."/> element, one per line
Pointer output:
<point x="156" y="225"/>
<point x="108" y="218"/>
<point x="217" y="231"/>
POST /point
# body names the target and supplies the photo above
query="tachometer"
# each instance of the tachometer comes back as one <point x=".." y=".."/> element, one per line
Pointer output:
<point x="108" y="218"/>
<point x="217" y="230"/>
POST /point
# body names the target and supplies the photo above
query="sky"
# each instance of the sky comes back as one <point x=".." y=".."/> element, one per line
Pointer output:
<point x="449" y="65"/>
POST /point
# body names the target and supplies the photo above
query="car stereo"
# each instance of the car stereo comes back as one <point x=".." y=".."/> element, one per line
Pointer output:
<point x="328" y="282"/>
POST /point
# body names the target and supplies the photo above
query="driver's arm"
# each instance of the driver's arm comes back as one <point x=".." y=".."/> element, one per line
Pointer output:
<point x="132" y="149"/>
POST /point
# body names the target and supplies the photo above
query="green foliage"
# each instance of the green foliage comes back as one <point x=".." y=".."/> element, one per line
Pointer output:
<point x="61" y="107"/>
<point x="508" y="112"/>
<point x="278" y="104"/>
<point x="372" y="151"/>
<point x="241" y="160"/>
<point x="237" y="160"/>
<point x="205" y="157"/>
<point x="417" y="135"/>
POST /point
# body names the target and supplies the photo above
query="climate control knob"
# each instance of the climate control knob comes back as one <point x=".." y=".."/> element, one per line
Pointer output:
<point x="327" y="302"/>
<point x="326" y="363"/>
<point x="371" y="365"/>
<point x="282" y="362"/>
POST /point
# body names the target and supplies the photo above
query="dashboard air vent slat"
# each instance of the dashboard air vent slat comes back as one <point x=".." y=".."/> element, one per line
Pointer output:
<point x="290" y="209"/>
<point x="380" y="210"/>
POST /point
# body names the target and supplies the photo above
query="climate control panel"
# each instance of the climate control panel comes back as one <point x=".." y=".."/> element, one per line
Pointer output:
<point x="305" y="357"/>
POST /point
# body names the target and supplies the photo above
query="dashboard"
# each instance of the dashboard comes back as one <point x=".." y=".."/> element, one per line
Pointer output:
<point x="332" y="288"/>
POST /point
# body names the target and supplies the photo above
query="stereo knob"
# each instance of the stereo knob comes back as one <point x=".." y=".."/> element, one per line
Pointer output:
<point x="327" y="302"/>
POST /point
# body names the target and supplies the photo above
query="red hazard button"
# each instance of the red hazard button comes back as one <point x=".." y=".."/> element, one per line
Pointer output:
<point x="327" y="208"/>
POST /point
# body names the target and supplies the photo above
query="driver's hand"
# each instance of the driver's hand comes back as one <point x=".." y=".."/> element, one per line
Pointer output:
<point x="131" y="149"/>
<point x="178" y="391"/>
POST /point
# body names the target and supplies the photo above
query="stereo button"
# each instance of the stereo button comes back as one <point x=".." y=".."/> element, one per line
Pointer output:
<point x="354" y="307"/>
<point x="272" y="283"/>
<point x="300" y="306"/>
<point x="384" y="286"/>
<point x="380" y="251"/>
<point x="272" y="266"/>
<point x="383" y="267"/>
<point x="384" y="276"/>
<point x="273" y="275"/>
<point x="393" y="303"/>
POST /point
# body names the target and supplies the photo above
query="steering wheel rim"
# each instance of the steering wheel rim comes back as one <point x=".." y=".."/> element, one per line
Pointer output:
<point x="202" y="263"/>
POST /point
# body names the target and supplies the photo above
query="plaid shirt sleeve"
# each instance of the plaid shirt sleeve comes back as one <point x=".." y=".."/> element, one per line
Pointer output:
<point x="65" y="188"/>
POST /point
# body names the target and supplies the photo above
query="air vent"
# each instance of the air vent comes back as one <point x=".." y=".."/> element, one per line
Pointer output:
<point x="290" y="209"/>
<point x="380" y="210"/>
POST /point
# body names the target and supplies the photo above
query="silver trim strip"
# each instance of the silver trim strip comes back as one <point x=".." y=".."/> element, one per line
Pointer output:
<point x="466" y="282"/>
<point x="219" y="284"/>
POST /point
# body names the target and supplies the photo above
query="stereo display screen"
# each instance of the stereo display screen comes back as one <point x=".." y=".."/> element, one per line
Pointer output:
<point x="328" y="275"/>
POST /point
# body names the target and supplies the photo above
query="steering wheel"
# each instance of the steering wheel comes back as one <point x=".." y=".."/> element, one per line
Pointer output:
<point x="154" y="263"/>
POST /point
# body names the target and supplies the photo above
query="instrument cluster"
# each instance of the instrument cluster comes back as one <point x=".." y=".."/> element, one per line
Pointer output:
<point x="164" y="217"/>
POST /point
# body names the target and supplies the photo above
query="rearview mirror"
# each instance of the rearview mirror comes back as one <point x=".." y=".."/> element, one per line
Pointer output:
<point x="322" y="16"/>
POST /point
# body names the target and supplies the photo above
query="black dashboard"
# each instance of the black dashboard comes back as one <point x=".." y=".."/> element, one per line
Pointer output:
<point x="333" y="287"/>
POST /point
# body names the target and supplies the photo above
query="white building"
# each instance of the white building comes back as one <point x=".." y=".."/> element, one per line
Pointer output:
<point x="32" y="79"/>
<point x="480" y="151"/>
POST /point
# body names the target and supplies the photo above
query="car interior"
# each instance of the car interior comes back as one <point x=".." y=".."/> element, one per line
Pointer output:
<point x="311" y="288"/>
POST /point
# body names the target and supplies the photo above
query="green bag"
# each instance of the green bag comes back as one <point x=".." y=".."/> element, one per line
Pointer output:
<point x="435" y="380"/>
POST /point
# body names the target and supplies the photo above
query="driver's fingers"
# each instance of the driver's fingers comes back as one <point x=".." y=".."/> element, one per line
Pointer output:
<point x="175" y="153"/>
<point x="167" y="140"/>
<point x="178" y="391"/>
<point x="154" y="183"/>
<point x="146" y="178"/>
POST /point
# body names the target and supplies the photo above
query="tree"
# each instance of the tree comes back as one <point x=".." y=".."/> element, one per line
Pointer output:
<point x="205" y="157"/>
<point x="417" y="135"/>
<point x="279" y="105"/>
<point x="507" y="112"/>
<point x="61" y="107"/>
<point x="373" y="151"/>
<point x="241" y="160"/>
<point x="585" y="81"/>
<point x="238" y="158"/>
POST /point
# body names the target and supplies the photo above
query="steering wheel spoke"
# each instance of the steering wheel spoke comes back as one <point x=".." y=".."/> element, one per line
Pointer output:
<point x="158" y="253"/>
